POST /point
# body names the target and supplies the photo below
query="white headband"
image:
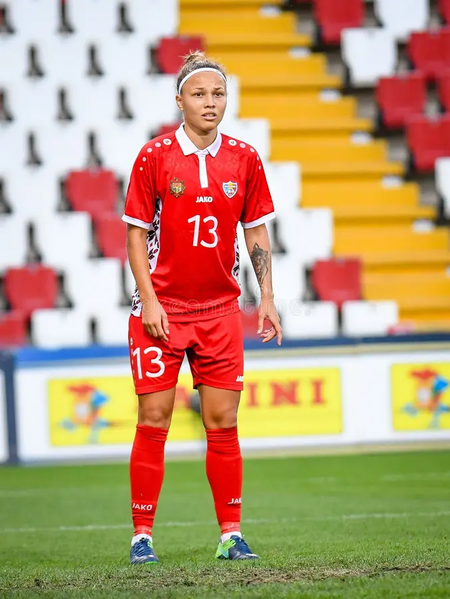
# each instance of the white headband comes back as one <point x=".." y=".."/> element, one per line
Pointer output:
<point x="202" y="70"/>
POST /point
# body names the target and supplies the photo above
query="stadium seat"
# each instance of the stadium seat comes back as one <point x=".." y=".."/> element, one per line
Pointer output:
<point x="13" y="59"/>
<point x="401" y="22"/>
<point x="94" y="103"/>
<point x="53" y="329"/>
<point x="30" y="288"/>
<point x="14" y="241"/>
<point x="332" y="17"/>
<point x="443" y="86"/>
<point x="307" y="234"/>
<point x="34" y="20"/>
<point x="399" y="98"/>
<point x="369" y="54"/>
<point x="170" y="52"/>
<point x="444" y="10"/>
<point x="429" y="52"/>
<point x="64" y="239"/>
<point x="13" y="329"/>
<point x="66" y="59"/>
<point x="112" y="326"/>
<point x="45" y="102"/>
<point x="33" y="194"/>
<point x="309" y="320"/>
<point x="153" y="20"/>
<point x="337" y="279"/>
<point x="111" y="236"/>
<point x="94" y="191"/>
<point x="94" y="20"/>
<point x="364" y="318"/>
<point x="119" y="145"/>
<point x="13" y="149"/>
<point x="284" y="179"/>
<point x="95" y="285"/>
<point x="125" y="59"/>
<point x="428" y="140"/>
<point x="288" y="278"/>
<point x="154" y="101"/>
<point x="52" y="144"/>
<point x="442" y="170"/>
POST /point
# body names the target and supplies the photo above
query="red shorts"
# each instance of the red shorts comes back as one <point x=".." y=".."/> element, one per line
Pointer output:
<point x="214" y="348"/>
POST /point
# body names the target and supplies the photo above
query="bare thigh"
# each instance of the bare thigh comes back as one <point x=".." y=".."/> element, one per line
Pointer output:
<point x="219" y="406"/>
<point x="155" y="409"/>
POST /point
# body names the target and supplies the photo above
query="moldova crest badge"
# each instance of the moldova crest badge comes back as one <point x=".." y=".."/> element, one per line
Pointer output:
<point x="177" y="187"/>
<point x="230" y="189"/>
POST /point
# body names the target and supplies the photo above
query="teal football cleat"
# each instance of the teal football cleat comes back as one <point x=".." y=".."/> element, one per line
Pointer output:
<point x="142" y="552"/>
<point x="235" y="548"/>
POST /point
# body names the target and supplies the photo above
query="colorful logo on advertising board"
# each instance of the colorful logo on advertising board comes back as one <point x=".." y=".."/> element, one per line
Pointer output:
<point x="420" y="396"/>
<point x="275" y="403"/>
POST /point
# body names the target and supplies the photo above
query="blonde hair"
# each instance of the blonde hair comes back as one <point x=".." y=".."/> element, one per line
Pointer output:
<point x="198" y="60"/>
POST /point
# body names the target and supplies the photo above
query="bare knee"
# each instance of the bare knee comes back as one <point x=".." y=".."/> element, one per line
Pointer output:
<point x="155" y="409"/>
<point x="220" y="418"/>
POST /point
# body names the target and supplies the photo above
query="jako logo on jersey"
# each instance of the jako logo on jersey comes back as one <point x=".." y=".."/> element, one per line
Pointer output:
<point x="146" y="507"/>
<point x="206" y="199"/>
<point x="237" y="501"/>
<point x="239" y="379"/>
<point x="177" y="187"/>
<point x="230" y="189"/>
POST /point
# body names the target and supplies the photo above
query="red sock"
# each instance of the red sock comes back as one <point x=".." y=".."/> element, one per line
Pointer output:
<point x="146" y="475"/>
<point x="224" y="472"/>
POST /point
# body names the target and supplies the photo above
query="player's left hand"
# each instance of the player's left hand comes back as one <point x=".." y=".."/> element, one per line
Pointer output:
<point x="268" y="311"/>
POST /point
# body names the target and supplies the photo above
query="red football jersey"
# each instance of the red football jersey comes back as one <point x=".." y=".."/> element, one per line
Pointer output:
<point x="191" y="202"/>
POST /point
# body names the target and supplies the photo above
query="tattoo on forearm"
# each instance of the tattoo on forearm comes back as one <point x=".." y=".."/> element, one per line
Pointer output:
<point x="260" y="261"/>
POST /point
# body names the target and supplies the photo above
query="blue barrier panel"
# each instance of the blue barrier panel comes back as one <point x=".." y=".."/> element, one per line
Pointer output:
<point x="7" y="411"/>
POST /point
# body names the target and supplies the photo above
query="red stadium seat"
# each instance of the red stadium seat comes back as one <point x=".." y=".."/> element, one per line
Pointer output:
<point x="399" y="98"/>
<point x="429" y="51"/>
<point x="94" y="191"/>
<point x="111" y="236"/>
<point x="444" y="10"/>
<point x="31" y="288"/>
<point x="332" y="17"/>
<point x="13" y="329"/>
<point x="428" y="140"/>
<point x="337" y="280"/>
<point x="444" y="90"/>
<point x="170" y="52"/>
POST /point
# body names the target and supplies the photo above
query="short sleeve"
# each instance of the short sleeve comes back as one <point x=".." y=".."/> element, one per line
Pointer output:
<point x="141" y="194"/>
<point x="258" y="206"/>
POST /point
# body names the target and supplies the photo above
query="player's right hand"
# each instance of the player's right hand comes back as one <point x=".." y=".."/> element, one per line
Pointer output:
<point x="154" y="319"/>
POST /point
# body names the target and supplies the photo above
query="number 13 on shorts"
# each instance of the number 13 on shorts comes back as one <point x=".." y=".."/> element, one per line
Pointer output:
<point x="136" y="354"/>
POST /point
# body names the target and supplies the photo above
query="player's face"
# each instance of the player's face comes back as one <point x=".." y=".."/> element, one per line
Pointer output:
<point x="203" y="101"/>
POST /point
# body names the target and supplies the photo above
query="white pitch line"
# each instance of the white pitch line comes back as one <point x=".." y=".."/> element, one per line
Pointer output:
<point x="340" y="518"/>
<point x="416" y="476"/>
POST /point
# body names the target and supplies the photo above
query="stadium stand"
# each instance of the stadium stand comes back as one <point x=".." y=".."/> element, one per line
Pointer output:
<point x="102" y="87"/>
<point x="363" y="319"/>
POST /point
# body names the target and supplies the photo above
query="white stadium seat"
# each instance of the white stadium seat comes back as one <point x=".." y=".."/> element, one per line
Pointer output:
<point x="255" y="132"/>
<point x="53" y="329"/>
<point x="233" y="99"/>
<point x="33" y="194"/>
<point x="95" y="285"/>
<point x="308" y="320"/>
<point x="112" y="326"/>
<point x="13" y="59"/>
<point x="62" y="147"/>
<point x="125" y="60"/>
<point x="94" y="20"/>
<point x="14" y="241"/>
<point x="288" y="278"/>
<point x="402" y="20"/>
<point x="442" y="173"/>
<point x="369" y="54"/>
<point x="153" y="20"/>
<point x="154" y="101"/>
<point x="13" y="149"/>
<point x="65" y="59"/>
<point x="64" y="239"/>
<point x="364" y="318"/>
<point x="45" y="102"/>
<point x="120" y="144"/>
<point x="94" y="104"/>
<point x="307" y="234"/>
<point x="284" y="184"/>
<point x="33" y="19"/>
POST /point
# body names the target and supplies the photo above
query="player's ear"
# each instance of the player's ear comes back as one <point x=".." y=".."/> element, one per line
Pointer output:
<point x="179" y="102"/>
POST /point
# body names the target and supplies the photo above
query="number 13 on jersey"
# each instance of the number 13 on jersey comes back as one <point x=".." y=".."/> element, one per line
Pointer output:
<point x="205" y="231"/>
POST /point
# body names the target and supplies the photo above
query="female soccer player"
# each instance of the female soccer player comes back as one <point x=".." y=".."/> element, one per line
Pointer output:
<point x="188" y="191"/>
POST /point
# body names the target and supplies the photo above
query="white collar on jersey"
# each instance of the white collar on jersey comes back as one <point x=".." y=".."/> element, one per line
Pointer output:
<point x="188" y="147"/>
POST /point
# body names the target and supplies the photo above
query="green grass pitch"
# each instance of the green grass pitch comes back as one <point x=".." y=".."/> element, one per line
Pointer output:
<point x="347" y="527"/>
